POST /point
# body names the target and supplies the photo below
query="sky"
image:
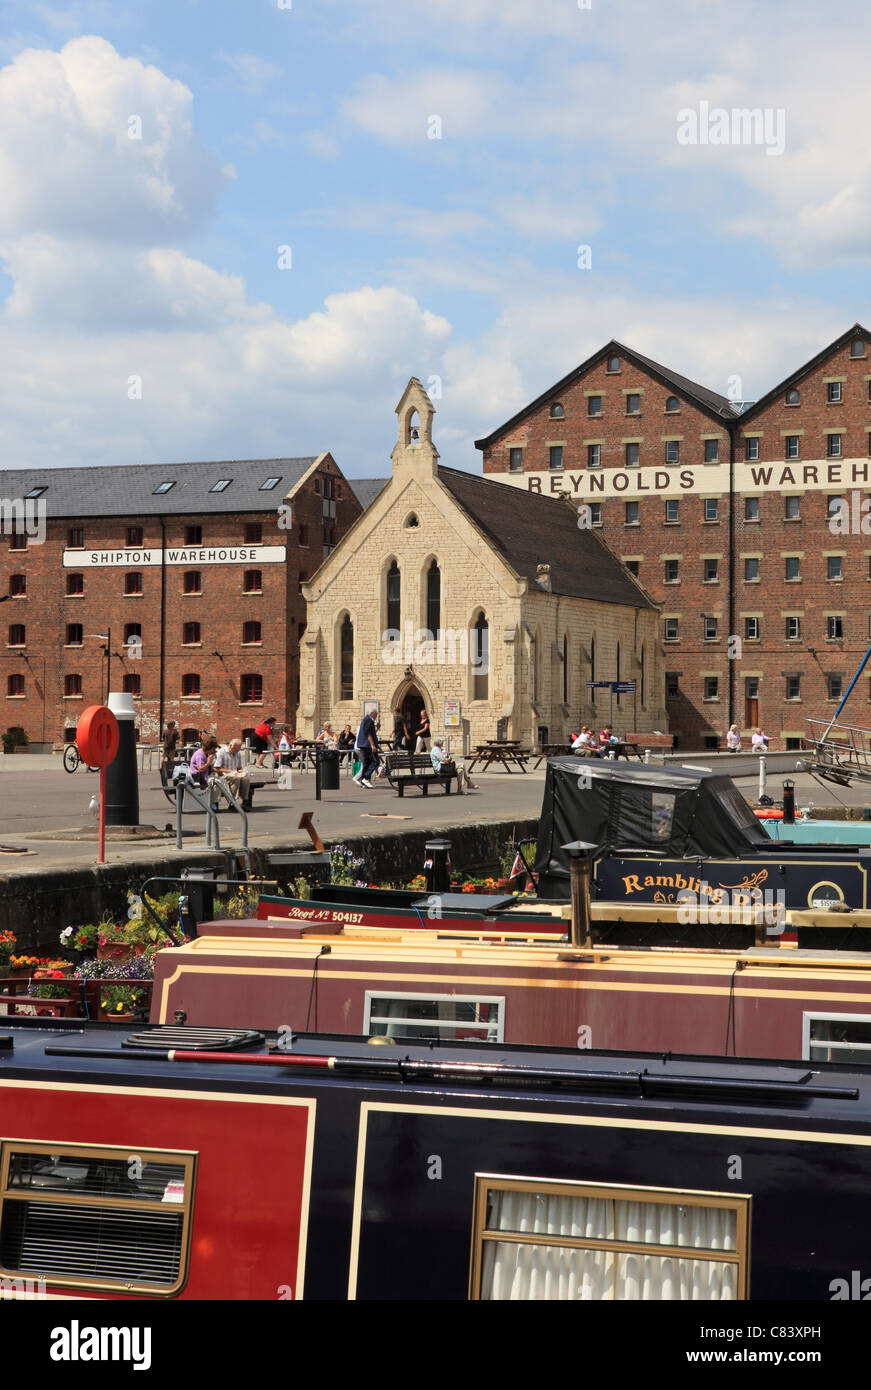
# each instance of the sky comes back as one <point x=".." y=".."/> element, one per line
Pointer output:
<point x="236" y="230"/>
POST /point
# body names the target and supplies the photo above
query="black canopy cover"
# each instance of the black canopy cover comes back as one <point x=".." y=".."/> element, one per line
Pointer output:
<point x="674" y="812"/>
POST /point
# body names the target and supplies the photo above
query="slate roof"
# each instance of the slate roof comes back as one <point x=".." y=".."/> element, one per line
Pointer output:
<point x="366" y="489"/>
<point x="128" y="490"/>
<point x="857" y="331"/>
<point x="528" y="530"/>
<point x="711" y="401"/>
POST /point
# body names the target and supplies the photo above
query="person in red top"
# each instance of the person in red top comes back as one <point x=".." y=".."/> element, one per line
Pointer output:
<point x="263" y="738"/>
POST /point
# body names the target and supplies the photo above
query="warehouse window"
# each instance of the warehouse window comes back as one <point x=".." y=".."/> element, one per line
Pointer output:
<point x="132" y="685"/>
<point x="17" y="634"/>
<point x="589" y="1241"/>
<point x="135" y="535"/>
<point x="793" y="397"/>
<point x="751" y="508"/>
<point x="253" y="582"/>
<point x="75" y="583"/>
<point x="76" y="538"/>
<point x="18" y="585"/>
<point x="555" y="456"/>
<point x="88" y="1217"/>
<point x="449" y="1017"/>
<point x="18" y="540"/>
<point x="556" y="411"/>
<point x="15" y="685"/>
<point x="515" y="460"/>
<point x="133" y="582"/>
<point x="251" y="689"/>
<point x="190" y="685"/>
<point x="251" y="632"/>
<point x="793" y="629"/>
<point x="253" y="532"/>
<point x="193" y="535"/>
<point x="833" y="391"/>
<point x="193" y="581"/>
<point x="594" y="405"/>
<point x="833" y="446"/>
<point x="751" y="449"/>
<point x="72" y="686"/>
<point x="672" y="405"/>
<point x="190" y="634"/>
<point x="672" y="451"/>
<point x="712" y="450"/>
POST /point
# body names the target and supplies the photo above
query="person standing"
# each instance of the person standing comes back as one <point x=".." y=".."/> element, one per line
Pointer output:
<point x="366" y="746"/>
<point x="263" y="738"/>
<point x="170" y="743"/>
<point x="400" y="731"/>
<point x="422" y="734"/>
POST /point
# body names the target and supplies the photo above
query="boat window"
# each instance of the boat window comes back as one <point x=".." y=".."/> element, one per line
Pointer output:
<point x="662" y="814"/>
<point x="588" y="1241"/>
<point x="837" y="1038"/>
<point x="450" y="1017"/>
<point x="96" y="1218"/>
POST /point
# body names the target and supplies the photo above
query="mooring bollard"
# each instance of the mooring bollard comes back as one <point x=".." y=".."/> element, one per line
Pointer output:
<point x="762" y="777"/>
<point x="647" y="755"/>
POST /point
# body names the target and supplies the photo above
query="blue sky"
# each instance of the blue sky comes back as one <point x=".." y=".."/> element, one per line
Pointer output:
<point x="155" y="260"/>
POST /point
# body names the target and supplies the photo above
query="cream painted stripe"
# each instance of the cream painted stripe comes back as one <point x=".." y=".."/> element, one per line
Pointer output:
<point x="804" y="1136"/>
<point x="505" y="982"/>
<point x="357" y="1214"/>
<point x="233" y="1096"/>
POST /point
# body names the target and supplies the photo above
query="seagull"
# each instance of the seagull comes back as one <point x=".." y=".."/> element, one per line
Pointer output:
<point x="94" y="805"/>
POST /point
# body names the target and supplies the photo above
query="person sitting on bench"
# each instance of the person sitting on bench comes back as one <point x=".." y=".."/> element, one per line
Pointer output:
<point x="447" y="765"/>
<point x="228" y="765"/>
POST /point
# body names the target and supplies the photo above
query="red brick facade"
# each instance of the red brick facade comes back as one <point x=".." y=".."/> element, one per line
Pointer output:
<point x="732" y="518"/>
<point x="205" y="666"/>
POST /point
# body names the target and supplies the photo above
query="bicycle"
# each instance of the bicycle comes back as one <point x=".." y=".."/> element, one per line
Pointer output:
<point x="72" y="759"/>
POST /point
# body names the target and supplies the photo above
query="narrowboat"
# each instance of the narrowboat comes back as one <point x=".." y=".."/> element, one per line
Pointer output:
<point x="334" y="904"/>
<point x="181" y="1163"/>
<point x="670" y="835"/>
<point x="764" y="1001"/>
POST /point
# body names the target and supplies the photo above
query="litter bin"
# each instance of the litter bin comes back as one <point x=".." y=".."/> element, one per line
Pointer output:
<point x="437" y="866"/>
<point x="328" y="765"/>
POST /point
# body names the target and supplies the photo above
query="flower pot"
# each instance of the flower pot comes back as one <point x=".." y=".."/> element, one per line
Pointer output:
<point x="106" y="1016"/>
<point x="122" y="951"/>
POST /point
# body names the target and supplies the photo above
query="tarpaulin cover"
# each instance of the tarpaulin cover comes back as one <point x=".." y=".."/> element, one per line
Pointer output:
<point x="674" y="812"/>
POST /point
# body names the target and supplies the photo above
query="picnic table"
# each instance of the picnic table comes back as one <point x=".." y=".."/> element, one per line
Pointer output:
<point x="504" y="752"/>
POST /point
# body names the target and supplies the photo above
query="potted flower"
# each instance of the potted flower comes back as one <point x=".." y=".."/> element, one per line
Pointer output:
<point x="118" y="1002"/>
<point x="23" y="965"/>
<point x="7" y="948"/>
<point x="48" y="968"/>
<point x="82" y="940"/>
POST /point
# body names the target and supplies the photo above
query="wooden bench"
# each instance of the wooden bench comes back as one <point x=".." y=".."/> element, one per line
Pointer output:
<point x="414" y="770"/>
<point x="169" y="787"/>
<point x="639" y="743"/>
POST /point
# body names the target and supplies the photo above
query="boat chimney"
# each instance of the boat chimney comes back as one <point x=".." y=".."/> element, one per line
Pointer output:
<point x="580" y="854"/>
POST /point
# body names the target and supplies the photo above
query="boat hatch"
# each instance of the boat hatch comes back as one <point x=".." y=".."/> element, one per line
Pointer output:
<point x="167" y="1035"/>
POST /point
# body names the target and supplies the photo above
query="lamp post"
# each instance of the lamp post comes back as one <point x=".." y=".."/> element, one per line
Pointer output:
<point x="107" y="650"/>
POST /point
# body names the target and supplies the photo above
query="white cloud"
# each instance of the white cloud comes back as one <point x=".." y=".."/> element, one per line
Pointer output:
<point x="253" y="73"/>
<point x="67" y="164"/>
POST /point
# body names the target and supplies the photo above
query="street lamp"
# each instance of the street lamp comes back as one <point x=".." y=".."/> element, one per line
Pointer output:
<point x="107" y="638"/>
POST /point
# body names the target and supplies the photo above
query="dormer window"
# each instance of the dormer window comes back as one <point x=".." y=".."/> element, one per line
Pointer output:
<point x="220" y="485"/>
<point x="161" y="488"/>
<point x="556" y="411"/>
<point x="269" y="484"/>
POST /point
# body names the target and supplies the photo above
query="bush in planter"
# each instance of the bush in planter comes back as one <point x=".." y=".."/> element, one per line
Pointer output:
<point x="56" y="985"/>
<point x="15" y="738"/>
<point x="141" y="929"/>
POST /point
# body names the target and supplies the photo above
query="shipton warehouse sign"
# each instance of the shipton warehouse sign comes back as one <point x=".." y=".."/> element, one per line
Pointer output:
<point x="184" y="555"/>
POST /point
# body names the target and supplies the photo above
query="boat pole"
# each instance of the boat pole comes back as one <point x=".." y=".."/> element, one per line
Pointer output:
<point x="834" y="718"/>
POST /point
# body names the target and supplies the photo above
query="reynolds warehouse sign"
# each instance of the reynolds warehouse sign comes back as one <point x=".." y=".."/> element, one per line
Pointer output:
<point x="706" y="479"/>
<point x="184" y="555"/>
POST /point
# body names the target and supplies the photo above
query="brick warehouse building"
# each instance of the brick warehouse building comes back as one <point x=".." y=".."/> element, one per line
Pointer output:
<point x="195" y="569"/>
<point x="729" y="516"/>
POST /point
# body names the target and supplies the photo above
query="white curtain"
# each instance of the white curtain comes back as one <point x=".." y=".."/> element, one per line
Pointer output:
<point x="531" y="1271"/>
